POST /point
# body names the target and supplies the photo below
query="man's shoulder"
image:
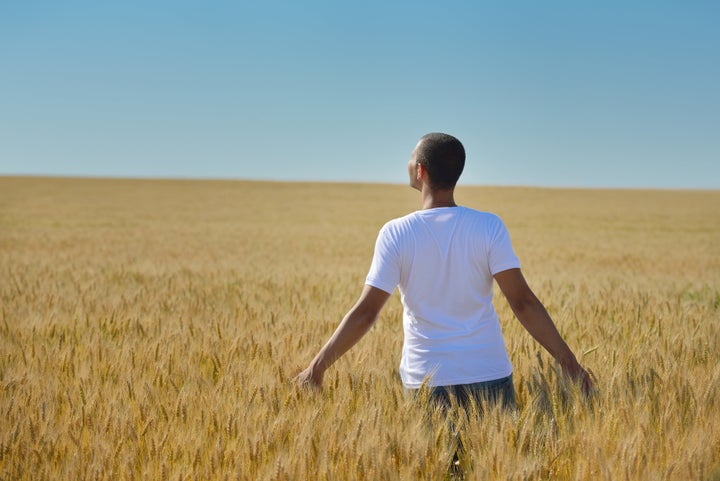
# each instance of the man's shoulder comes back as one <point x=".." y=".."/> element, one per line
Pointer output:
<point x="480" y="214"/>
<point x="467" y="212"/>
<point x="412" y="220"/>
<point x="400" y="223"/>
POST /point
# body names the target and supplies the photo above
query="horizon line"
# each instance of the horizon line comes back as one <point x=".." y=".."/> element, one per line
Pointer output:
<point x="351" y="182"/>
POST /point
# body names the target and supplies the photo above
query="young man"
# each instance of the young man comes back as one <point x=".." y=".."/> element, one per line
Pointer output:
<point x="444" y="258"/>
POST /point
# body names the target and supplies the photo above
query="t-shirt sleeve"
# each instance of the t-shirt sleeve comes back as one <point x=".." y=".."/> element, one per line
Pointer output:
<point x="384" y="271"/>
<point x="501" y="255"/>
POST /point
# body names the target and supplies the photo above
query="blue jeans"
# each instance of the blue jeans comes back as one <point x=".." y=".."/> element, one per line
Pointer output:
<point x="481" y="394"/>
<point x="464" y="401"/>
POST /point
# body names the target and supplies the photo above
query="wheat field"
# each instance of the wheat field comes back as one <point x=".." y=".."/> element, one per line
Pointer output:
<point x="151" y="330"/>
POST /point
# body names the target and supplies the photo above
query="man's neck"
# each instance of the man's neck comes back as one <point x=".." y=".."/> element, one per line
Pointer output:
<point x="432" y="199"/>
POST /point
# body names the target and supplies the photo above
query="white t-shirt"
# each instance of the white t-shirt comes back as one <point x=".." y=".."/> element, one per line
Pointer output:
<point x="443" y="261"/>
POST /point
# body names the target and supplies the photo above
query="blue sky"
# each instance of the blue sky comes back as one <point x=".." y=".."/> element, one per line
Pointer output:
<point x="573" y="93"/>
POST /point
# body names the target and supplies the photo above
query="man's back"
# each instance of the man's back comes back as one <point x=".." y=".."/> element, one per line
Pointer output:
<point x="443" y="261"/>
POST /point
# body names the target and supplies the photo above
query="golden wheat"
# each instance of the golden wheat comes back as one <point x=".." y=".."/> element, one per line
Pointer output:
<point x="151" y="329"/>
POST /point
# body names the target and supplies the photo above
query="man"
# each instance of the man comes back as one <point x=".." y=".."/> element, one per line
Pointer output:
<point x="444" y="258"/>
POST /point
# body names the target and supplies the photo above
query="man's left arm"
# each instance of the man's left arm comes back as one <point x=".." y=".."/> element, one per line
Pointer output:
<point x="535" y="319"/>
<point x="353" y="327"/>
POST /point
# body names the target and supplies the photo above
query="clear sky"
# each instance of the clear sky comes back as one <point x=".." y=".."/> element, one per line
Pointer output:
<point x="557" y="93"/>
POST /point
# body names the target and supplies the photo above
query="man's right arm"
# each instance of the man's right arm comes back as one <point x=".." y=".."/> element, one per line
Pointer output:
<point x="535" y="319"/>
<point x="354" y="325"/>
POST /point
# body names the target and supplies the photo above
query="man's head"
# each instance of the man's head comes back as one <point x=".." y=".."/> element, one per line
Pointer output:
<point x="442" y="157"/>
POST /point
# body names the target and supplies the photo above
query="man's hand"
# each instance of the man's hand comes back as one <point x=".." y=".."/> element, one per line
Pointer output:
<point x="309" y="378"/>
<point x="585" y="378"/>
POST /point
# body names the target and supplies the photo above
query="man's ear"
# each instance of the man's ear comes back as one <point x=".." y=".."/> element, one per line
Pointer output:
<point x="421" y="172"/>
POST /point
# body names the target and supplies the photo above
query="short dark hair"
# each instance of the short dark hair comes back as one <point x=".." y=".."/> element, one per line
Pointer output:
<point x="443" y="156"/>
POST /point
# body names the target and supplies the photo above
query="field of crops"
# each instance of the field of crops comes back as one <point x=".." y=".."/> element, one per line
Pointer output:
<point x="151" y="330"/>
